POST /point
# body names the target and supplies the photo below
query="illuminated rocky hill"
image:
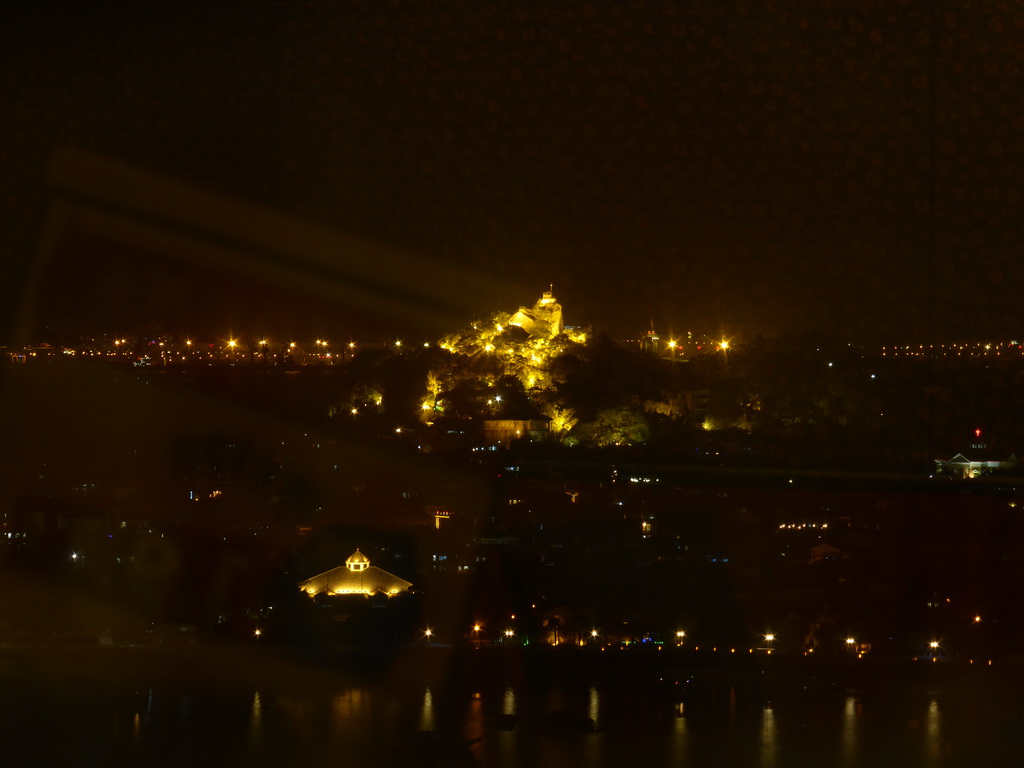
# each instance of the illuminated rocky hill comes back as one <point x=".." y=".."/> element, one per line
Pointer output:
<point x="503" y="364"/>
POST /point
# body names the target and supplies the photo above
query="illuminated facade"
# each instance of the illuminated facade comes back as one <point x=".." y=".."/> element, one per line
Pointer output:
<point x="982" y="461"/>
<point x="962" y="467"/>
<point x="355" y="577"/>
<point x="543" y="320"/>
<point x="504" y="431"/>
<point x="651" y="342"/>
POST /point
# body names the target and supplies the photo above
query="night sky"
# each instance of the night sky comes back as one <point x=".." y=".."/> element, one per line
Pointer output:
<point x="736" y="167"/>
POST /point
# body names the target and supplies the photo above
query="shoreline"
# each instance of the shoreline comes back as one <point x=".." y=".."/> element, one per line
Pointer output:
<point x="229" y="667"/>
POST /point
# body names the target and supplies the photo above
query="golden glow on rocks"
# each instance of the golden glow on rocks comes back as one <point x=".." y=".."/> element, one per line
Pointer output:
<point x="521" y="345"/>
<point x="562" y="419"/>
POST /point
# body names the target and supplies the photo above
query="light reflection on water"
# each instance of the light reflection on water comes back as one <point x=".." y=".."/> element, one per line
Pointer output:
<point x="508" y="706"/>
<point x="848" y="734"/>
<point x="768" y="751"/>
<point x="256" y="719"/>
<point x="933" y="733"/>
<point x="514" y="725"/>
<point x="467" y="728"/>
<point x="474" y="729"/>
<point x="680" y="741"/>
<point x="427" y="720"/>
<point x="594" y="743"/>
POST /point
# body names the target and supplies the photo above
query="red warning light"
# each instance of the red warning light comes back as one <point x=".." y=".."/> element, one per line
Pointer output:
<point x="977" y="433"/>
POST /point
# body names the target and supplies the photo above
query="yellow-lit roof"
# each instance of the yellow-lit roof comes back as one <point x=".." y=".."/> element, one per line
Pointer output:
<point x="344" y="580"/>
<point x="357" y="557"/>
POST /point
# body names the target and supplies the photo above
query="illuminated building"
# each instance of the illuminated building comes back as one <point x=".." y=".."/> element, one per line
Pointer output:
<point x="543" y="320"/>
<point x="962" y="467"/>
<point x="355" y="577"/>
<point x="651" y="342"/>
<point x="504" y="431"/>
<point x="982" y="461"/>
<point x="824" y="551"/>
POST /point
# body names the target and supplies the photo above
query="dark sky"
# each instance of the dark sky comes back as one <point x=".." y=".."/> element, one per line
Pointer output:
<point x="738" y="166"/>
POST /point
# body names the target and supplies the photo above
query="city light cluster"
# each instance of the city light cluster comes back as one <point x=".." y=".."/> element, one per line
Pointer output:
<point x="977" y="349"/>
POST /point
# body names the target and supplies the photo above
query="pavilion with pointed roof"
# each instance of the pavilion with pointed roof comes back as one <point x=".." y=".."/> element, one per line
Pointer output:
<point x="355" y="577"/>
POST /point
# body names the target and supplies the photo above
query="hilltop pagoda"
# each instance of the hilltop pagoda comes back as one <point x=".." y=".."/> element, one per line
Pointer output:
<point x="543" y="320"/>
